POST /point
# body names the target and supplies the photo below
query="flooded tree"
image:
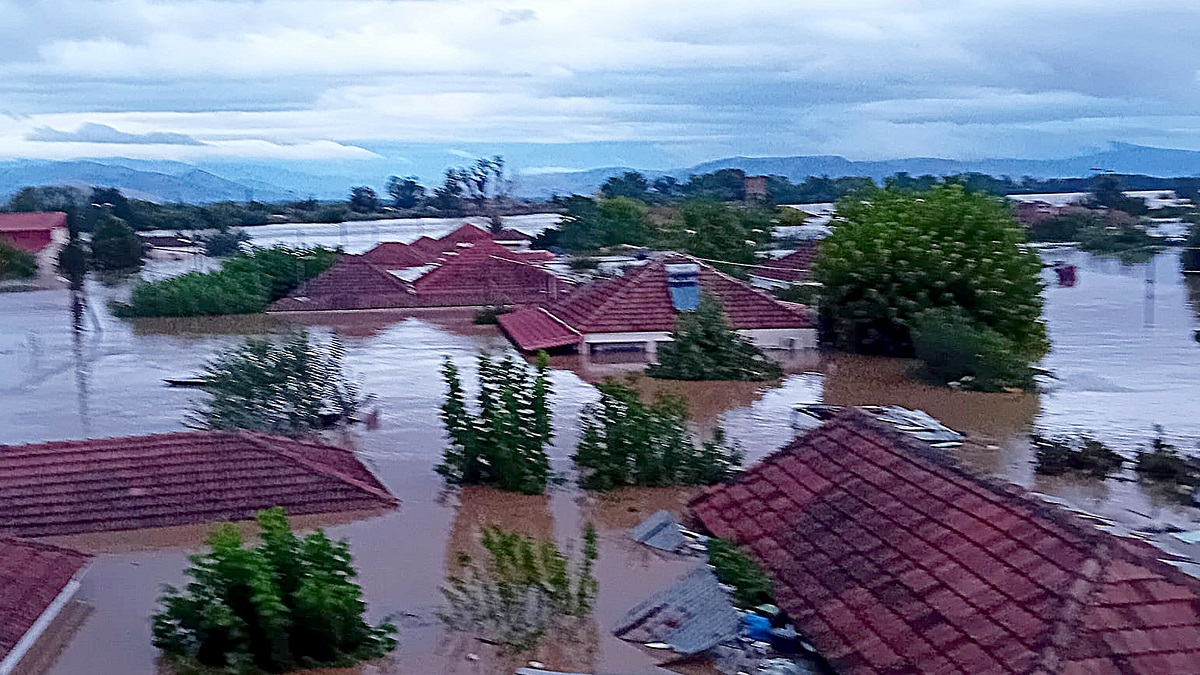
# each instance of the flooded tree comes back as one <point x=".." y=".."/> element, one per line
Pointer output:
<point x="525" y="588"/>
<point x="504" y="443"/>
<point x="286" y="604"/>
<point x="291" y="387"/>
<point x="704" y="347"/>
<point x="115" y="246"/>
<point x="625" y="442"/>
<point x="15" y="263"/>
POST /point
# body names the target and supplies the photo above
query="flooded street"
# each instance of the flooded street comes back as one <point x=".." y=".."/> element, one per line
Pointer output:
<point x="1124" y="360"/>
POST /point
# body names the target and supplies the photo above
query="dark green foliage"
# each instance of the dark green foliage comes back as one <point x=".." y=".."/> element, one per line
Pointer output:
<point x="1108" y="192"/>
<point x="50" y="198"/>
<point x="73" y="261"/>
<point x="899" y="253"/>
<point x="286" y="604"/>
<point x="724" y="185"/>
<point x="703" y="347"/>
<point x="715" y="231"/>
<point x="1081" y="455"/>
<point x="504" y="444"/>
<point x="245" y="284"/>
<point x="630" y="184"/>
<point x="406" y="192"/>
<point x="291" y="387"/>
<point x="625" y="442"/>
<point x="15" y="263"/>
<point x="490" y="315"/>
<point x="592" y="224"/>
<point x="751" y="587"/>
<point x="1065" y="226"/>
<point x="225" y="243"/>
<point x="525" y="588"/>
<point x="363" y="199"/>
<point x="958" y="351"/>
<point x="1163" y="463"/>
<point x="1191" y="254"/>
<point x="115" y="246"/>
<point x="805" y="294"/>
<point x="1127" y="242"/>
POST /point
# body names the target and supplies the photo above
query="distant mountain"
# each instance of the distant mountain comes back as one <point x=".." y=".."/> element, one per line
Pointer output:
<point x="154" y="181"/>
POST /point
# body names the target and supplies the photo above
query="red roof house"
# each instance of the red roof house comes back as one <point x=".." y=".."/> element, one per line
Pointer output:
<point x="792" y="268"/>
<point x="36" y="582"/>
<point x="32" y="232"/>
<point x="73" y="487"/>
<point x="640" y="307"/>
<point x="890" y="558"/>
<point x="394" y="255"/>
<point x="353" y="282"/>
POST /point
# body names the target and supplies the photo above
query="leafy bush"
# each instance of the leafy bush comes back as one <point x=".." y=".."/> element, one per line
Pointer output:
<point x="286" y="604"/>
<point x="1163" y="463"/>
<point x="115" y="246"/>
<point x="526" y="587"/>
<point x="1129" y="243"/>
<point x="704" y="348"/>
<point x="490" y="315"/>
<point x="225" y="243"/>
<point x="751" y="587"/>
<point x="716" y="231"/>
<point x="1056" y="456"/>
<point x="15" y="263"/>
<point x="625" y="442"/>
<point x="291" y="387"/>
<point x="962" y="353"/>
<point x="504" y="444"/>
<point x="895" y="254"/>
<point x="245" y="284"/>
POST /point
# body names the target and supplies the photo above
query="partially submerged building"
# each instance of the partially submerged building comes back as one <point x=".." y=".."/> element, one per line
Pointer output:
<point x="33" y="232"/>
<point x="638" y="310"/>
<point x="890" y="558"/>
<point x="37" y="582"/>
<point x="161" y="480"/>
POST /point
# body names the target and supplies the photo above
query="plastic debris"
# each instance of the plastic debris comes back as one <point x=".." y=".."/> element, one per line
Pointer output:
<point x="659" y="531"/>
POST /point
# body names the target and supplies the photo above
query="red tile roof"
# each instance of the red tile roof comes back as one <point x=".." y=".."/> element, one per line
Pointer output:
<point x="24" y="222"/>
<point x="535" y="328"/>
<point x="351" y="283"/>
<point x="186" y="478"/>
<point x="792" y="268"/>
<point x="511" y="235"/>
<point x="639" y="301"/>
<point x="32" y="575"/>
<point x="465" y="234"/>
<point x="394" y="255"/>
<point x="487" y="274"/>
<point x="891" y="559"/>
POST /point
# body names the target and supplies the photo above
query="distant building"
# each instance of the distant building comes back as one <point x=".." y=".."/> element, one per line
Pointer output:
<point x="791" y="269"/>
<point x="638" y="310"/>
<point x="37" y="581"/>
<point x="33" y="232"/>
<point x="890" y="558"/>
<point x="755" y="187"/>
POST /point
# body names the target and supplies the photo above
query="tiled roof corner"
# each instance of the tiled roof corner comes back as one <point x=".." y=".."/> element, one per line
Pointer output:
<point x="32" y="576"/>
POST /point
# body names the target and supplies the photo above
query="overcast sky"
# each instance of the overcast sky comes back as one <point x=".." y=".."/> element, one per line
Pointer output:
<point x="667" y="81"/>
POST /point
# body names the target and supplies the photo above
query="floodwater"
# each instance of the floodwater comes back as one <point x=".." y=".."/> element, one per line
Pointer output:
<point x="1125" y="360"/>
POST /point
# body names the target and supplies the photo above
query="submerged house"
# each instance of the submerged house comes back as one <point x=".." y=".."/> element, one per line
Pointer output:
<point x="33" y="232"/>
<point x="162" y="480"/>
<point x="793" y="268"/>
<point x="890" y="558"/>
<point x="37" y="582"/>
<point x="466" y="268"/>
<point x="638" y="310"/>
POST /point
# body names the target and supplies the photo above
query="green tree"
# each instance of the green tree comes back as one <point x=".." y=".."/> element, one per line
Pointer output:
<point x="504" y="444"/>
<point x="715" y="231"/>
<point x="50" y="198"/>
<point x="630" y="184"/>
<point x="525" y="588"/>
<point x="286" y="604"/>
<point x="291" y="387"/>
<point x="724" y="185"/>
<point x="115" y="246"/>
<point x="592" y="224"/>
<point x="225" y="243"/>
<point x="965" y="354"/>
<point x="895" y="254"/>
<point x="625" y="442"/>
<point x="363" y="199"/>
<point x="703" y="347"/>
<point x="406" y="192"/>
<point x="15" y="263"/>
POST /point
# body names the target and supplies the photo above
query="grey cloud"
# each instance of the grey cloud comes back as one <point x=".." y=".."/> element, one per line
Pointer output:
<point x="511" y="16"/>
<point x="102" y="133"/>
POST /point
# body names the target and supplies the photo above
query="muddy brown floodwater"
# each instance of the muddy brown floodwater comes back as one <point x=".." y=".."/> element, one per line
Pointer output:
<point x="1124" y="357"/>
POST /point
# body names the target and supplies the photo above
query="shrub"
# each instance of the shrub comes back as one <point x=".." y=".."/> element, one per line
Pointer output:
<point x="115" y="246"/>
<point x="895" y="253"/>
<point x="751" y="587"/>
<point x="490" y="315"/>
<point x="504" y="444"/>
<point x="525" y="588"/>
<point x="286" y="604"/>
<point x="1056" y="456"/>
<point x="960" y="352"/>
<point x="245" y="284"/>
<point x="15" y="263"/>
<point x="225" y="243"/>
<point x="625" y="442"/>
<point x="291" y="387"/>
<point x="704" y="348"/>
<point x="1163" y="463"/>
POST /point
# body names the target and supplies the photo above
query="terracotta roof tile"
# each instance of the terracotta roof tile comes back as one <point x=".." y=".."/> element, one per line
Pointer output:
<point x="32" y="575"/>
<point x="394" y="255"/>
<point x="175" y="479"/>
<point x="352" y="282"/>
<point x="891" y="558"/>
<point x="534" y="328"/>
<point x="793" y="267"/>
<point x="511" y="235"/>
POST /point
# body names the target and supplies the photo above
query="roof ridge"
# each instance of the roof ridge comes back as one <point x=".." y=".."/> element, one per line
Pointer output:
<point x="624" y="284"/>
<point x="558" y="320"/>
<point x="267" y="443"/>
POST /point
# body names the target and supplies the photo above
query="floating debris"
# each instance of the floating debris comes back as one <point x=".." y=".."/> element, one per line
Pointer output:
<point x="916" y="423"/>
<point x="659" y="531"/>
<point x="692" y="615"/>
